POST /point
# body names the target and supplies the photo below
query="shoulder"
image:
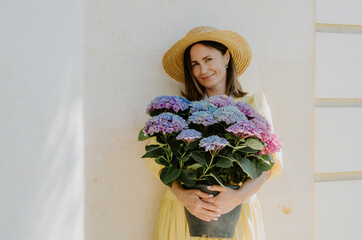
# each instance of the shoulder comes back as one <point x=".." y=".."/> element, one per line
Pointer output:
<point x="255" y="99"/>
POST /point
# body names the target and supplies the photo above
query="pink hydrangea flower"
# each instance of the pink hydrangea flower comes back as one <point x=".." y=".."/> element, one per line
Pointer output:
<point x="273" y="145"/>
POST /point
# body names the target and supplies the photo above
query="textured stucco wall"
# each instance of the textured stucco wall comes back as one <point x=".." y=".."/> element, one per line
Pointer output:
<point x="301" y="52"/>
<point x="124" y="44"/>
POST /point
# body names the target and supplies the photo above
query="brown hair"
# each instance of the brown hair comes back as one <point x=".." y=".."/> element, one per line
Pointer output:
<point x="194" y="90"/>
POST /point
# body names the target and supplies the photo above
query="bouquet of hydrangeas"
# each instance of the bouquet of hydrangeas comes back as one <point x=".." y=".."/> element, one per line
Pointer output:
<point x="212" y="141"/>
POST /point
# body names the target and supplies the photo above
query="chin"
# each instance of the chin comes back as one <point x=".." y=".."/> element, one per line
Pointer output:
<point x="210" y="85"/>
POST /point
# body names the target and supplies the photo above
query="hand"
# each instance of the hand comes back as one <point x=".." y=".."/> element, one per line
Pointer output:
<point x="191" y="199"/>
<point x="226" y="200"/>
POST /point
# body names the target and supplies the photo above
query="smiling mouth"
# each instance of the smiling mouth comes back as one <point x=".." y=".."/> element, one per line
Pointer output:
<point x="208" y="77"/>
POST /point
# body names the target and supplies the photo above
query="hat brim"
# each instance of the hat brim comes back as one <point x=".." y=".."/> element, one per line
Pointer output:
<point x="238" y="47"/>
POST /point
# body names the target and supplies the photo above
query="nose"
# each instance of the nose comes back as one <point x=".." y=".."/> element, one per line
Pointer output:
<point x="203" y="68"/>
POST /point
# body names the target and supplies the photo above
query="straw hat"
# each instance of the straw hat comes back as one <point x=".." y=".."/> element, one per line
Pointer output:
<point x="238" y="47"/>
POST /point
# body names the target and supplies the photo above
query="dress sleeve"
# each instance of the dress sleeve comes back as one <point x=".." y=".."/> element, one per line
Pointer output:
<point x="262" y="106"/>
<point x="152" y="165"/>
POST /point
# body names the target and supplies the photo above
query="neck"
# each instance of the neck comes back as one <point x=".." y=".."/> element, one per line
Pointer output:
<point x="214" y="92"/>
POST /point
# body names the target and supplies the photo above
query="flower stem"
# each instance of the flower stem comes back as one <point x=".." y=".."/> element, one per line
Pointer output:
<point x="209" y="166"/>
<point x="234" y="148"/>
<point x="165" y="148"/>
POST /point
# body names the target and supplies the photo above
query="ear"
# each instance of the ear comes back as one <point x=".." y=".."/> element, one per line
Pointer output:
<point x="227" y="57"/>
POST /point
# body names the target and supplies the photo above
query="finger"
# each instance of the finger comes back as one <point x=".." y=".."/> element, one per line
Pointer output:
<point x="206" y="218"/>
<point x="199" y="215"/>
<point x="209" y="207"/>
<point x="201" y="194"/>
<point x="209" y="214"/>
<point x="216" y="188"/>
<point x="209" y="200"/>
<point x="197" y="211"/>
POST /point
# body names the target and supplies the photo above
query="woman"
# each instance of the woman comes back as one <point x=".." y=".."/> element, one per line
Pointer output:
<point x="208" y="61"/>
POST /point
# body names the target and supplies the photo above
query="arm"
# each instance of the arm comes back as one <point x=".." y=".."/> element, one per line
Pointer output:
<point x="228" y="198"/>
<point x="192" y="200"/>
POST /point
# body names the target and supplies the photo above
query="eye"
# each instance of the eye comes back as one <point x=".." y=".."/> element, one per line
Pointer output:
<point x="208" y="59"/>
<point x="194" y="64"/>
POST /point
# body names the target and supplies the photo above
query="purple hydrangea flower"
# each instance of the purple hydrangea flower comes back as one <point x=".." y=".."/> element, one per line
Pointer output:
<point x="165" y="123"/>
<point x="213" y="143"/>
<point x="261" y="122"/>
<point x="202" y="117"/>
<point x="189" y="135"/>
<point x="220" y="100"/>
<point x="202" y="105"/>
<point x="244" y="129"/>
<point x="229" y="115"/>
<point x="175" y="103"/>
<point x="246" y="108"/>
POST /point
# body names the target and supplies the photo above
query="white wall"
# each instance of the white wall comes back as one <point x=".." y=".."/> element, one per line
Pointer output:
<point x="338" y="110"/>
<point x="124" y="44"/>
<point x="41" y="120"/>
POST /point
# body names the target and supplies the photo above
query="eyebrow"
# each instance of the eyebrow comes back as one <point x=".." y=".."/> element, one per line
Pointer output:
<point x="202" y="58"/>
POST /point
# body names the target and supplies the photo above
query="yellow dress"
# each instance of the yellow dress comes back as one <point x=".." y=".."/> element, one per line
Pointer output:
<point x="171" y="222"/>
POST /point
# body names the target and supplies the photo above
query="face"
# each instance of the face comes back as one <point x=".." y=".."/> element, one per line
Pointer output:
<point x="209" y="67"/>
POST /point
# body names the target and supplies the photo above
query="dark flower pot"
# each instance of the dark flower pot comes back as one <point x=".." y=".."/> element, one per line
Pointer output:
<point x="224" y="227"/>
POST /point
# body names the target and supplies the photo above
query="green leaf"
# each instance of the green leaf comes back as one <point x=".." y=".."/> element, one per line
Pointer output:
<point x="254" y="143"/>
<point x="268" y="158"/>
<point x="217" y="179"/>
<point x="169" y="174"/>
<point x="224" y="162"/>
<point x="258" y="172"/>
<point x="187" y="177"/>
<point x="175" y="145"/>
<point x="247" y="150"/>
<point x="142" y="136"/>
<point x="262" y="165"/>
<point x="199" y="157"/>
<point x="248" y="167"/>
<point x="156" y="152"/>
<point x="194" y="166"/>
<point x="153" y="154"/>
<point x="161" y="160"/>
<point x="150" y="148"/>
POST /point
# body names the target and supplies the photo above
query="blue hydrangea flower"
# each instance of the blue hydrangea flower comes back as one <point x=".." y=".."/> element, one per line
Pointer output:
<point x="213" y="143"/>
<point x="189" y="135"/>
<point x="220" y="100"/>
<point x="202" y="117"/>
<point x="175" y="103"/>
<point x="202" y="105"/>
<point x="229" y="115"/>
<point x="165" y="123"/>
